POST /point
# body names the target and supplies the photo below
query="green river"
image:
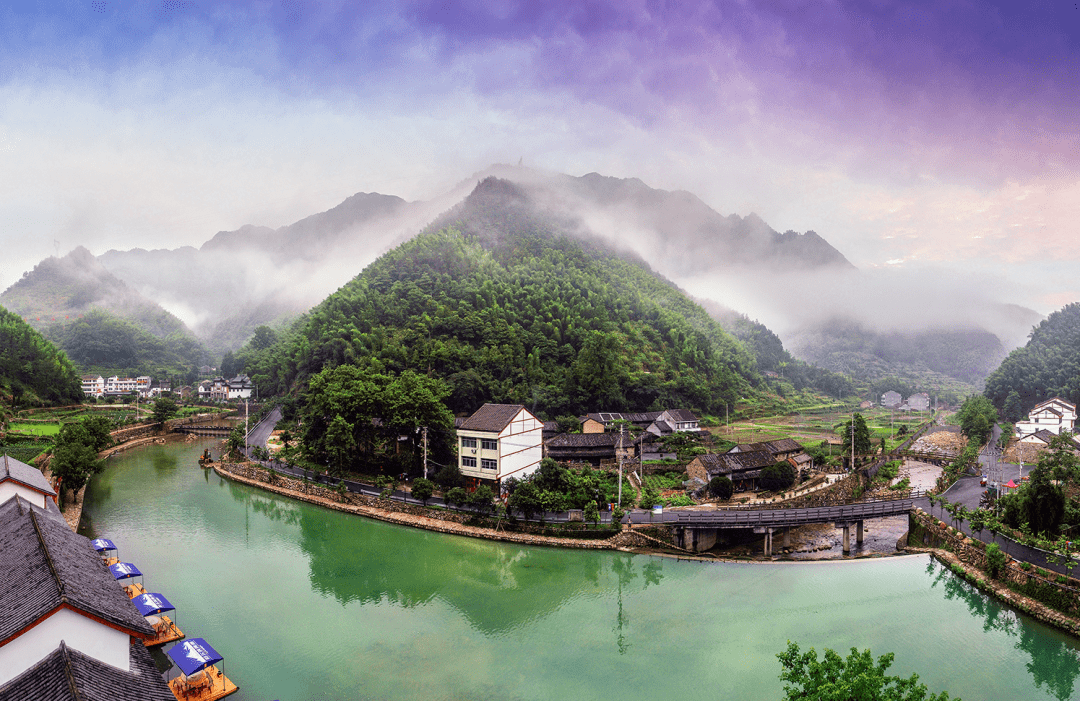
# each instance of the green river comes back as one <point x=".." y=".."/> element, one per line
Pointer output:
<point x="306" y="603"/>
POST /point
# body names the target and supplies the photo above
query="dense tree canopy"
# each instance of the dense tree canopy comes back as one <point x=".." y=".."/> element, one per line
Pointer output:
<point x="854" y="678"/>
<point x="1048" y="366"/>
<point x="103" y="342"/>
<point x="352" y="416"/>
<point x="31" y="368"/>
<point x="977" y="417"/>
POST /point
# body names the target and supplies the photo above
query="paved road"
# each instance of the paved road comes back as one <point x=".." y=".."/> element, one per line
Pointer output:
<point x="968" y="491"/>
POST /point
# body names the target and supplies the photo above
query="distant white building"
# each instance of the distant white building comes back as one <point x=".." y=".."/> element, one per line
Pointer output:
<point x="93" y="385"/>
<point x="1054" y="415"/>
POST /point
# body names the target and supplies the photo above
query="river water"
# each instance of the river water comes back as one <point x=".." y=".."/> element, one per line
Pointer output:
<point x="306" y="603"/>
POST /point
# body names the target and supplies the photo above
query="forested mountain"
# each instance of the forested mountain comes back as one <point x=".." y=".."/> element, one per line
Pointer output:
<point x="104" y="343"/>
<point x="965" y="355"/>
<point x="1048" y="366"/>
<point x="102" y="324"/>
<point x="32" y="370"/>
<point x="499" y="299"/>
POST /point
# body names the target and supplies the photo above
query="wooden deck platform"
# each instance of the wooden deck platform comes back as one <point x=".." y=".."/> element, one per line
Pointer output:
<point x="133" y="590"/>
<point x="211" y="686"/>
<point x="167" y="632"/>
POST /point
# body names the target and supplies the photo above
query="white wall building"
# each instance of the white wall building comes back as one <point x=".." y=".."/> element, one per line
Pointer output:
<point x="1054" y="415"/>
<point x="498" y="441"/>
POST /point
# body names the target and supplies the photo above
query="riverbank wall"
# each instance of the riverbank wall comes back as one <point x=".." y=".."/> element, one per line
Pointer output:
<point x="438" y="520"/>
<point x="966" y="557"/>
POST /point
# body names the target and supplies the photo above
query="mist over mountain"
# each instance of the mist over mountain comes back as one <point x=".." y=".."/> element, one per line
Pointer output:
<point x="256" y="275"/>
<point x="61" y="289"/>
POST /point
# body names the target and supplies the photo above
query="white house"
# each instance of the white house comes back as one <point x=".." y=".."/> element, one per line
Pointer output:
<point x="19" y="479"/>
<point x="57" y="594"/>
<point x="93" y="385"/>
<point x="891" y="399"/>
<point x="1054" y="415"/>
<point x="498" y="441"/>
<point x="240" y="387"/>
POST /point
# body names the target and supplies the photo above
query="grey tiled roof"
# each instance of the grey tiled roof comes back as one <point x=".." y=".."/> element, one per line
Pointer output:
<point x="681" y="415"/>
<point x="587" y="440"/>
<point x="12" y="469"/>
<point x="66" y="673"/>
<point x="46" y="565"/>
<point x="491" y="417"/>
<point x="730" y="463"/>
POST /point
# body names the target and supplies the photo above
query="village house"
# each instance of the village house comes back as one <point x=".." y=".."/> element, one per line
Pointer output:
<point x="17" y="479"/>
<point x="918" y="402"/>
<point x="1042" y="438"/>
<point x="93" y="385"/>
<point x="660" y="423"/>
<point x="499" y="441"/>
<point x="1054" y="415"/>
<point x="743" y="469"/>
<point x="593" y="448"/>
<point x="240" y="387"/>
<point x="891" y="399"/>
<point x="68" y="629"/>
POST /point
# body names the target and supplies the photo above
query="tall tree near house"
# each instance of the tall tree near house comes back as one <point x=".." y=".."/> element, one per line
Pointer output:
<point x="340" y="444"/>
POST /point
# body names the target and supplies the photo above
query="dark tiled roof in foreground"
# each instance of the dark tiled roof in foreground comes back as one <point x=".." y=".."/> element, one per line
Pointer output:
<point x="12" y="469"/>
<point x="730" y="463"/>
<point x="491" y="417"/>
<point x="66" y="673"/>
<point x="46" y="565"/>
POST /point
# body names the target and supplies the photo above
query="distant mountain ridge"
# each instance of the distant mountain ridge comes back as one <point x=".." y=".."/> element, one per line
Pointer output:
<point x="256" y="275"/>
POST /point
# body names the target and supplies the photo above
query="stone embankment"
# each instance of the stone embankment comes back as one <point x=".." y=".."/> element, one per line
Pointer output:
<point x="927" y="534"/>
<point x="450" y="522"/>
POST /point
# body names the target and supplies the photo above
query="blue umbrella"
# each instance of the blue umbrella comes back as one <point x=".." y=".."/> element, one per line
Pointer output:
<point x="152" y="604"/>
<point x="124" y="570"/>
<point x="193" y="655"/>
<point x="103" y="544"/>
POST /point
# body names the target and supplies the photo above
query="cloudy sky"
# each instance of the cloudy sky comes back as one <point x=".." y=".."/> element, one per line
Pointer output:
<point x="920" y="135"/>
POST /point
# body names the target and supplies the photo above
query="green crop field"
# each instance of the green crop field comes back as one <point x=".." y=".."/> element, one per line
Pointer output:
<point x="36" y="429"/>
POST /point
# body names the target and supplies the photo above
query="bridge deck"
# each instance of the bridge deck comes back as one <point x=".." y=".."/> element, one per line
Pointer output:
<point x="777" y="518"/>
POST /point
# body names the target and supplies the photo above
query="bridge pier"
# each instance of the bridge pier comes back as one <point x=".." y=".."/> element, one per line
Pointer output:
<point x="768" y="532"/>
<point x="847" y="535"/>
<point x="696" y="539"/>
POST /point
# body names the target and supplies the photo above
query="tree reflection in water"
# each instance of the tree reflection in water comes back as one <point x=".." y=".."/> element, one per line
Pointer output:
<point x="1054" y="661"/>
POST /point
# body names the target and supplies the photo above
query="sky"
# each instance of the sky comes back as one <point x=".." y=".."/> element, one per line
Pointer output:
<point x="936" y="137"/>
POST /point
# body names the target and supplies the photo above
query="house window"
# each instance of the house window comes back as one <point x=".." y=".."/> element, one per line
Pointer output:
<point x="468" y="442"/>
<point x="468" y="462"/>
<point x="486" y="464"/>
<point x="488" y="444"/>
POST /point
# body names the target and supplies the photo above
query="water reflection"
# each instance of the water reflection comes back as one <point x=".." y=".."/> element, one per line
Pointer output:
<point x="163" y="461"/>
<point x="1054" y="659"/>
<point x="496" y="588"/>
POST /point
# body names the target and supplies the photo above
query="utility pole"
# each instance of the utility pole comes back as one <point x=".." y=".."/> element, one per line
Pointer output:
<point x="425" y="452"/>
<point x="622" y="427"/>
<point x="853" y="441"/>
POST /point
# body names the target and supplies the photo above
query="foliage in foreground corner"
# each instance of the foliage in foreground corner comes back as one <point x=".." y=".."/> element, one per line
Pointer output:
<point x="855" y="678"/>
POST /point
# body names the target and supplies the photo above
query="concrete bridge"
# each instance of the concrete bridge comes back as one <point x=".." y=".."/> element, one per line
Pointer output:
<point x="204" y="429"/>
<point x="698" y="530"/>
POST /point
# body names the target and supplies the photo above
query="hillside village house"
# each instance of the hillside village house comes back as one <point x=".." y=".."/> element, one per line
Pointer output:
<point x="660" y="423"/>
<point x="68" y="629"/>
<point x="1054" y="415"/>
<point x="499" y="441"/>
<point x="743" y="463"/>
<point x="891" y="399"/>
